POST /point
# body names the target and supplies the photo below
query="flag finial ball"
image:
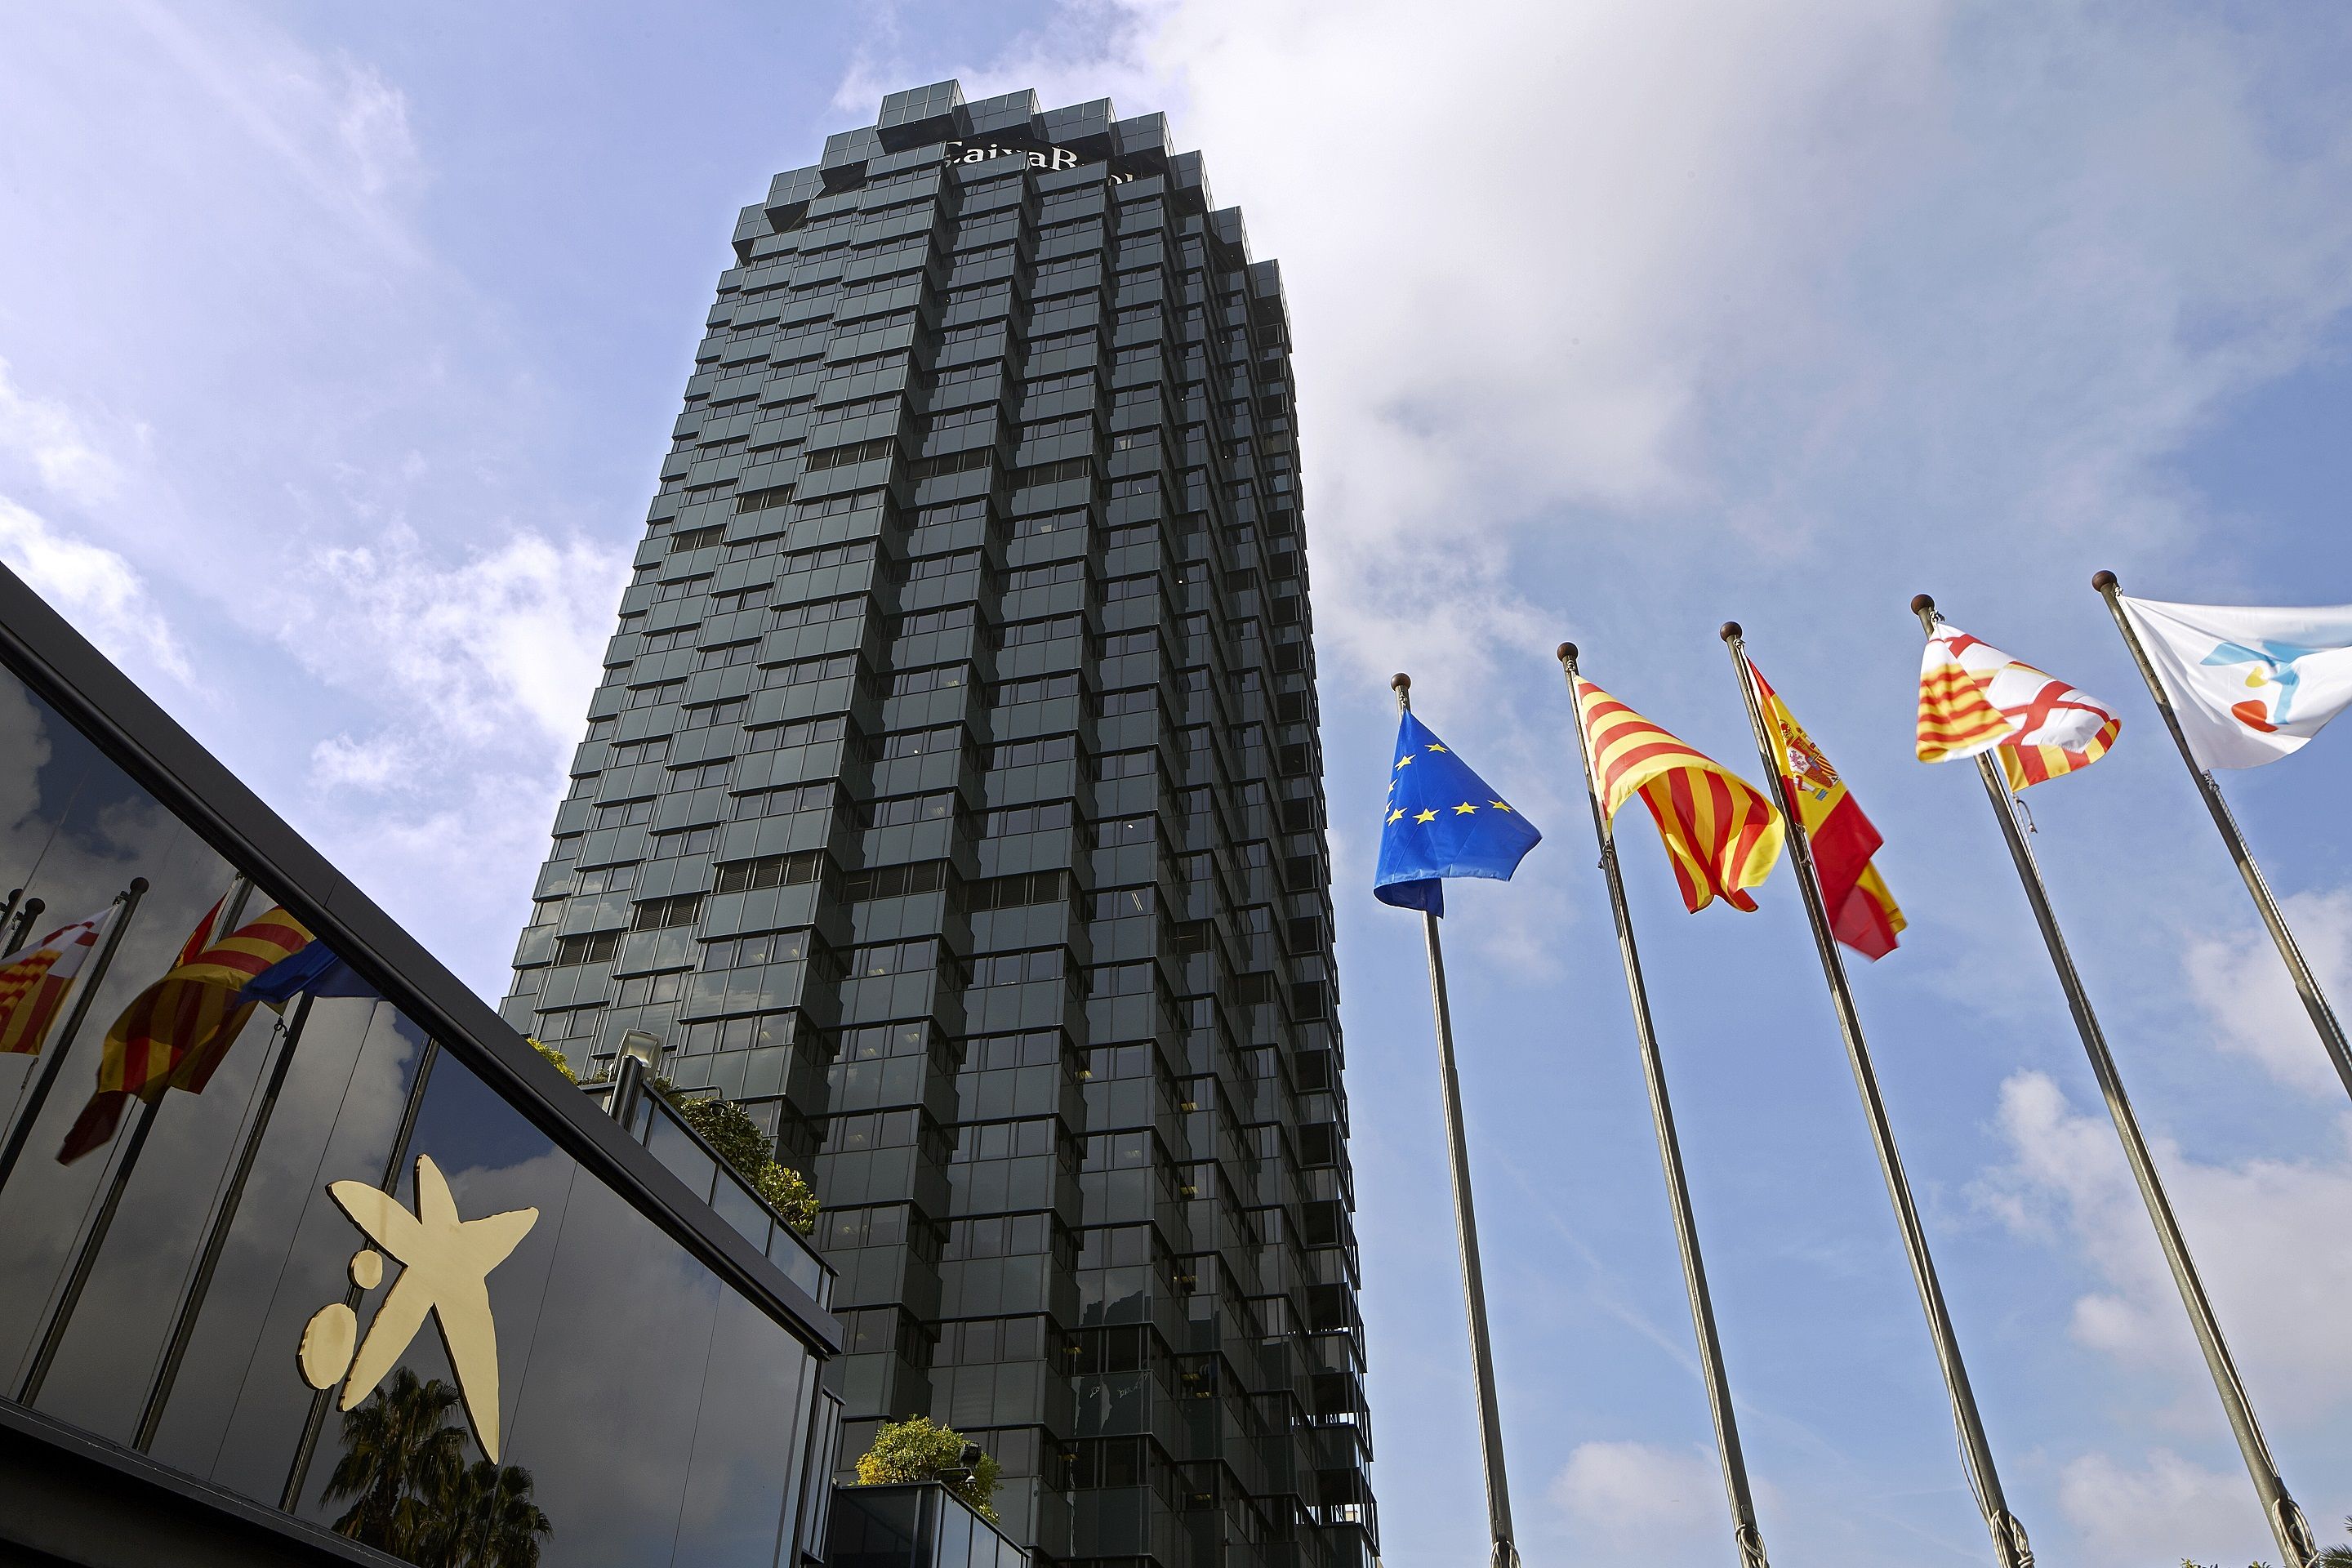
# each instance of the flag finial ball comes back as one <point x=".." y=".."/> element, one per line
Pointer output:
<point x="1400" y="681"/>
<point x="1921" y="603"/>
<point x="139" y="885"/>
<point x="1564" y="652"/>
<point x="1731" y="631"/>
<point x="2103" y="580"/>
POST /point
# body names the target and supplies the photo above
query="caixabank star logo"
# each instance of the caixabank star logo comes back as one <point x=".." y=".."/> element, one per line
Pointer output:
<point x="446" y="1264"/>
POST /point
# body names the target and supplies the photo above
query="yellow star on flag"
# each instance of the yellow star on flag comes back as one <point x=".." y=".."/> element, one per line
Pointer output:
<point x="1396" y="815"/>
<point x="1425" y="817"/>
<point x="1436" y="747"/>
<point x="1498" y="805"/>
<point x="1465" y="809"/>
<point x="1405" y="762"/>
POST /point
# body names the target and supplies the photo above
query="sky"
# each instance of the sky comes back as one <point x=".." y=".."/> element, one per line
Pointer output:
<point x="339" y="348"/>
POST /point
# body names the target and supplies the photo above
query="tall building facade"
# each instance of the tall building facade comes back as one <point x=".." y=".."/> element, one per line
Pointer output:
<point x="952" y="801"/>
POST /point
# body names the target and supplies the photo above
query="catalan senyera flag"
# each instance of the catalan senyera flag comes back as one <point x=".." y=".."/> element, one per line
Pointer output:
<point x="1974" y="698"/>
<point x="178" y="1029"/>
<point x="33" y="985"/>
<point x="1863" y="913"/>
<point x="1721" y="834"/>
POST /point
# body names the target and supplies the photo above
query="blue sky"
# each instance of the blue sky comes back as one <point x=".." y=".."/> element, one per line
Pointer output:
<point x="341" y="345"/>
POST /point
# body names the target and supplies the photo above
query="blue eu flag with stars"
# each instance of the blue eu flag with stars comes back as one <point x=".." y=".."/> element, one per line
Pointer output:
<point x="1442" y="821"/>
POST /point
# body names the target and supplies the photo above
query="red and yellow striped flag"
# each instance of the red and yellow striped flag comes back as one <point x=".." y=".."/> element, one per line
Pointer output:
<point x="1722" y="835"/>
<point x="177" y="1031"/>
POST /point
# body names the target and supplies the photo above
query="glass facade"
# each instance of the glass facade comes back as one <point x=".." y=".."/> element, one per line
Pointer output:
<point x="952" y="798"/>
<point x="175" y="1299"/>
<point x="915" y="1526"/>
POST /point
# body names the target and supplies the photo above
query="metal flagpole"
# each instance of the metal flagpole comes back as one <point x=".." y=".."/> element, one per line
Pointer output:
<point x="2322" y="1016"/>
<point x="2011" y="1548"/>
<point x="315" y="1423"/>
<point x="1743" y="1529"/>
<point x="209" y="1256"/>
<point x="2288" y="1526"/>
<point x="53" y="1054"/>
<point x="52" y="1336"/>
<point x="1504" y="1553"/>
<point x="29" y="911"/>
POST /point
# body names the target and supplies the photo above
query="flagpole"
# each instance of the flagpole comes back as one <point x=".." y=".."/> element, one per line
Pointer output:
<point x="2288" y="1527"/>
<point x="2315" y="1002"/>
<point x="200" y="1283"/>
<point x="54" y="1055"/>
<point x="1743" y="1529"/>
<point x="315" y="1423"/>
<point x="1504" y="1552"/>
<point x="2011" y="1548"/>
<point x="25" y="914"/>
<point x="52" y="1336"/>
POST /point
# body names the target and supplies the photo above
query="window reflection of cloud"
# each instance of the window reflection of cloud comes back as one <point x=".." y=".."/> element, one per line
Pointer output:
<point x="341" y="1105"/>
<point x="607" y="1414"/>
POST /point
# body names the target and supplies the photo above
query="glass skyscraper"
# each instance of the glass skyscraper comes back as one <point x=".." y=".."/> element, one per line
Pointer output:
<point x="952" y="801"/>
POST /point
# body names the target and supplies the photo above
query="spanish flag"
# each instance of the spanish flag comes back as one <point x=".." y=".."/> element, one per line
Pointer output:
<point x="1722" y="835"/>
<point x="178" y="1029"/>
<point x="1863" y="913"/>
<point x="33" y="985"/>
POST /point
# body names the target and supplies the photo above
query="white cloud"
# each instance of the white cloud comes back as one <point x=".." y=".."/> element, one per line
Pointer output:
<point x="46" y="434"/>
<point x="511" y="633"/>
<point x="2250" y="1224"/>
<point x="2165" y="1510"/>
<point x="1702" y="288"/>
<point x="2238" y="978"/>
<point x="95" y="589"/>
<point x="340" y="762"/>
<point x="1631" y="1493"/>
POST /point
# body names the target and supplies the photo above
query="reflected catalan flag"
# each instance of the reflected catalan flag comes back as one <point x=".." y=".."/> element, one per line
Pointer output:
<point x="1721" y="833"/>
<point x="177" y="1031"/>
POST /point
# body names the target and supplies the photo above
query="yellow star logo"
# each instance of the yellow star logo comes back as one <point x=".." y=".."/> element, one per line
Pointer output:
<point x="1498" y="805"/>
<point x="1398" y="813"/>
<point x="1436" y="747"/>
<point x="1425" y="817"/>
<point x="446" y="1263"/>
<point x="1465" y="809"/>
<point x="1405" y="762"/>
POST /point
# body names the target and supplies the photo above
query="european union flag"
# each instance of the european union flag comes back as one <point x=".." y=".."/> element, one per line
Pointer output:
<point x="1442" y="821"/>
<point x="315" y="969"/>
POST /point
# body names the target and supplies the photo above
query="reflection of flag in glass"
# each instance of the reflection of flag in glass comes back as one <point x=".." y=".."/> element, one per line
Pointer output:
<point x="34" y="985"/>
<point x="176" y="1031"/>
<point x="315" y="969"/>
<point x="1721" y="833"/>
<point x="1974" y="698"/>
<point x="1863" y="913"/>
<point x="2248" y="685"/>
<point x="1443" y="820"/>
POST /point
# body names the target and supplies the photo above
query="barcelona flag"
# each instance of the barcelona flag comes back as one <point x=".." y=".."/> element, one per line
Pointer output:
<point x="34" y="984"/>
<point x="1974" y="698"/>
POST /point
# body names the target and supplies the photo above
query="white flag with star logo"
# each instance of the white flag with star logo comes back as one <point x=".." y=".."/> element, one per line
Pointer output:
<point x="2250" y="685"/>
